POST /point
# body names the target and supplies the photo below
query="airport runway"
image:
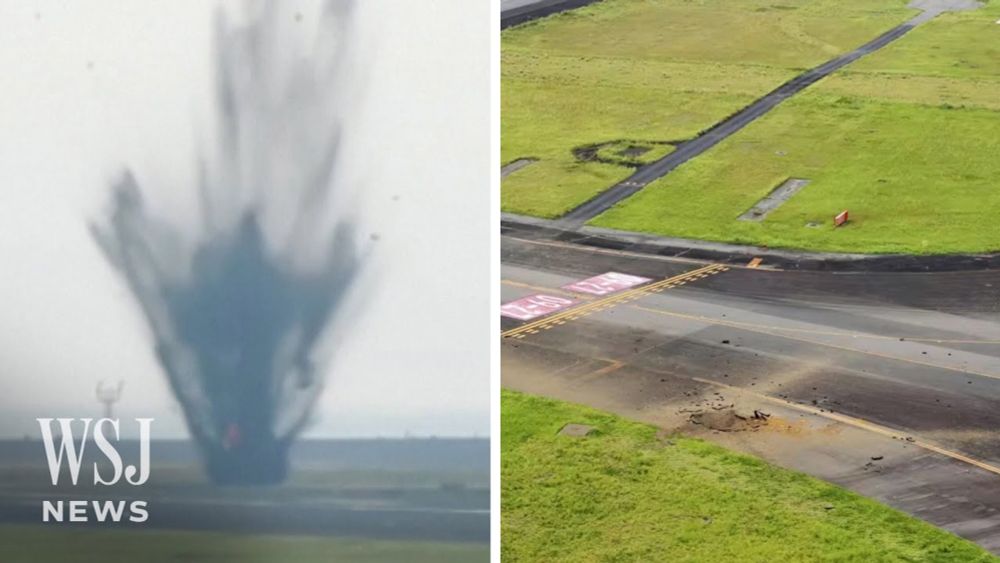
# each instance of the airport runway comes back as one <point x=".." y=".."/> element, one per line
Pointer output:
<point x="413" y="489"/>
<point x="886" y="383"/>
<point x="346" y="517"/>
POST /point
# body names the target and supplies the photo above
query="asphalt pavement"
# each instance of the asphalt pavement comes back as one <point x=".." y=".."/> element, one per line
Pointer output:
<point x="885" y="383"/>
<point x="516" y="12"/>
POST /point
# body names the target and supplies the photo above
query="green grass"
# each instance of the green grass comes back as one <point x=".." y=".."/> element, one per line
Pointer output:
<point x="916" y="179"/>
<point x="907" y="140"/>
<point x="625" y="495"/>
<point x="960" y="45"/>
<point x="953" y="60"/>
<point x="38" y="544"/>
<point x="652" y="70"/>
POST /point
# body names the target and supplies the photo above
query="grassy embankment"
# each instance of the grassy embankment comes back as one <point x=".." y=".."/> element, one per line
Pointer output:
<point x="624" y="494"/>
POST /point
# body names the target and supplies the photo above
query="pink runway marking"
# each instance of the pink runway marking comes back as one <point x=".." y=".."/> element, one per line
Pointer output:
<point x="606" y="283"/>
<point x="534" y="306"/>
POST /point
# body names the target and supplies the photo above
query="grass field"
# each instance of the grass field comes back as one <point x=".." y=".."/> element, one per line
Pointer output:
<point x="907" y="140"/>
<point x="916" y="179"/>
<point x="625" y="494"/>
<point x="647" y="70"/>
<point x="37" y="544"/>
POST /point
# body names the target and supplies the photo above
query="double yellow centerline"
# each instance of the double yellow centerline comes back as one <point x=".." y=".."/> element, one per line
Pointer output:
<point x="612" y="300"/>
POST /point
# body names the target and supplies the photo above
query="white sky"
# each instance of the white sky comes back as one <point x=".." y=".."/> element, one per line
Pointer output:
<point x="90" y="87"/>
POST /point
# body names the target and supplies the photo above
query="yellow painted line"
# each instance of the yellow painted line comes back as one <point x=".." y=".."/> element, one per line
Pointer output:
<point x="575" y="312"/>
<point x="587" y="308"/>
<point x="836" y="346"/>
<point x="861" y="424"/>
<point x="754" y="263"/>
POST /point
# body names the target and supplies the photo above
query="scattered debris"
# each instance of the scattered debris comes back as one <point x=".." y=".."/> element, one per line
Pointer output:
<point x="728" y="420"/>
<point x="873" y="466"/>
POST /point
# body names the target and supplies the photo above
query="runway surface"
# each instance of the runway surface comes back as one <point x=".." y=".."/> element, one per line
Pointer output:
<point x="413" y="489"/>
<point x="885" y="383"/>
<point x="348" y="517"/>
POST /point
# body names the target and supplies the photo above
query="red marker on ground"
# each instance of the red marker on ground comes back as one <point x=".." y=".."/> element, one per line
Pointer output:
<point x="840" y="219"/>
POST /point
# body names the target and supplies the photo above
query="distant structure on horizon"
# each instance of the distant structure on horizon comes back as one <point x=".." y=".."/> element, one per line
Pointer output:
<point x="108" y="396"/>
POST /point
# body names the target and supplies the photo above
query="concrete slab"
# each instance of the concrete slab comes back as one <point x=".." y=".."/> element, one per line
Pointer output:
<point x="773" y="200"/>
<point x="512" y="167"/>
<point x="576" y="430"/>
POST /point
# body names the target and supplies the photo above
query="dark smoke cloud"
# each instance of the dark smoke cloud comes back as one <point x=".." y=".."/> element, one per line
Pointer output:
<point x="238" y="311"/>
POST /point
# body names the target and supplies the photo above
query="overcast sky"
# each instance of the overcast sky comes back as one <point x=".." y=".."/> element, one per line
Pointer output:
<point x="92" y="87"/>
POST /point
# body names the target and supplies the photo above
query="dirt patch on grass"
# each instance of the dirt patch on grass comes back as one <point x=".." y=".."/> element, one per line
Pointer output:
<point x="624" y="152"/>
